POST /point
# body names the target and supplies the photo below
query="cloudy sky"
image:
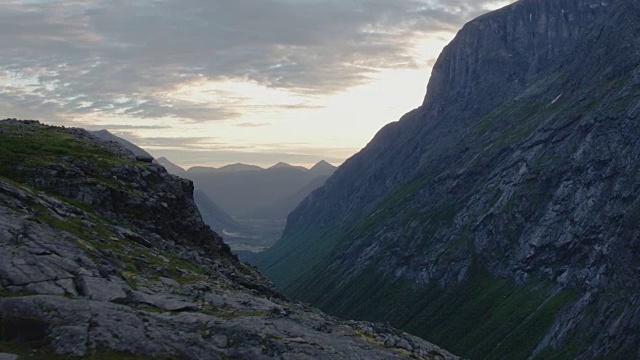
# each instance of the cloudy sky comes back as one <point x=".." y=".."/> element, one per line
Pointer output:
<point x="213" y="82"/>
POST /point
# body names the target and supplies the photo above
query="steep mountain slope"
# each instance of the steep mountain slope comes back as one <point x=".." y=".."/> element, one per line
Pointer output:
<point x="500" y="217"/>
<point x="106" y="257"/>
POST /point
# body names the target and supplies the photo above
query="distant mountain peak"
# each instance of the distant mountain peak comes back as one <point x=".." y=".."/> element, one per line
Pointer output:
<point x="322" y="164"/>
<point x="323" y="168"/>
<point x="281" y="165"/>
<point x="239" y="167"/>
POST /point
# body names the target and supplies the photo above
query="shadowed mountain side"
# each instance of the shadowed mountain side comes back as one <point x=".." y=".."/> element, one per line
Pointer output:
<point x="499" y="218"/>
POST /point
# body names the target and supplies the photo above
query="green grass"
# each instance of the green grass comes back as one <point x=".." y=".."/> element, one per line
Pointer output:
<point x="481" y="318"/>
<point x="273" y="336"/>
<point x="35" y="146"/>
<point x="27" y="149"/>
<point x="387" y="207"/>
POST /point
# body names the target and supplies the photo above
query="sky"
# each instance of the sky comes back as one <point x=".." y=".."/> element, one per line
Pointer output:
<point x="214" y="82"/>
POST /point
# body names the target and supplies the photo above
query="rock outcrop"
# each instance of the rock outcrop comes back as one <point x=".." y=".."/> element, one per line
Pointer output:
<point x="103" y="254"/>
<point x="500" y="217"/>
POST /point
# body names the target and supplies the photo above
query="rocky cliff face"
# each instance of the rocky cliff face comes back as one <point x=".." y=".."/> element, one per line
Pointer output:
<point x="500" y="216"/>
<point x="106" y="257"/>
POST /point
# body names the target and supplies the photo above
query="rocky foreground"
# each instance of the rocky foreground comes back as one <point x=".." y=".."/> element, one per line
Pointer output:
<point x="106" y="256"/>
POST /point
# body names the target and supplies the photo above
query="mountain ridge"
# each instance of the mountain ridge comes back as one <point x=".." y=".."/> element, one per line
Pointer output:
<point x="321" y="167"/>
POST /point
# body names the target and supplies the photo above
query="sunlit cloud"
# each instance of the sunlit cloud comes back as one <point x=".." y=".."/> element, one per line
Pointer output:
<point x="251" y="125"/>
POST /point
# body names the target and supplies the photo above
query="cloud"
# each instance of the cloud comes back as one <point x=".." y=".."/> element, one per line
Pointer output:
<point x="251" y="125"/>
<point x="66" y="58"/>
<point x="207" y="151"/>
<point x="182" y="143"/>
<point x="120" y="127"/>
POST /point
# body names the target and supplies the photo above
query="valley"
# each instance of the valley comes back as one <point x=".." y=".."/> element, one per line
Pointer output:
<point x="499" y="219"/>
<point x="251" y="203"/>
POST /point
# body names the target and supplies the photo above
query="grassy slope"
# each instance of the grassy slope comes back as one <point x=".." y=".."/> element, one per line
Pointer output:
<point x="34" y="146"/>
<point x="481" y="318"/>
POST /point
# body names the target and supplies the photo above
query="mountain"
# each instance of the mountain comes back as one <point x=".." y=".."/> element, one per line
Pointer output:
<point x="283" y="165"/>
<point x="281" y="208"/>
<point x="212" y="214"/>
<point x="105" y="135"/>
<point x="217" y="218"/>
<point x="260" y="199"/>
<point x="499" y="218"/>
<point x="224" y="169"/>
<point x="103" y="256"/>
<point x="322" y="168"/>
<point x="244" y="190"/>
<point x="172" y="168"/>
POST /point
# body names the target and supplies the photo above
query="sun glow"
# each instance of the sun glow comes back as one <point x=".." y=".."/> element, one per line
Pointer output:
<point x="306" y="123"/>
